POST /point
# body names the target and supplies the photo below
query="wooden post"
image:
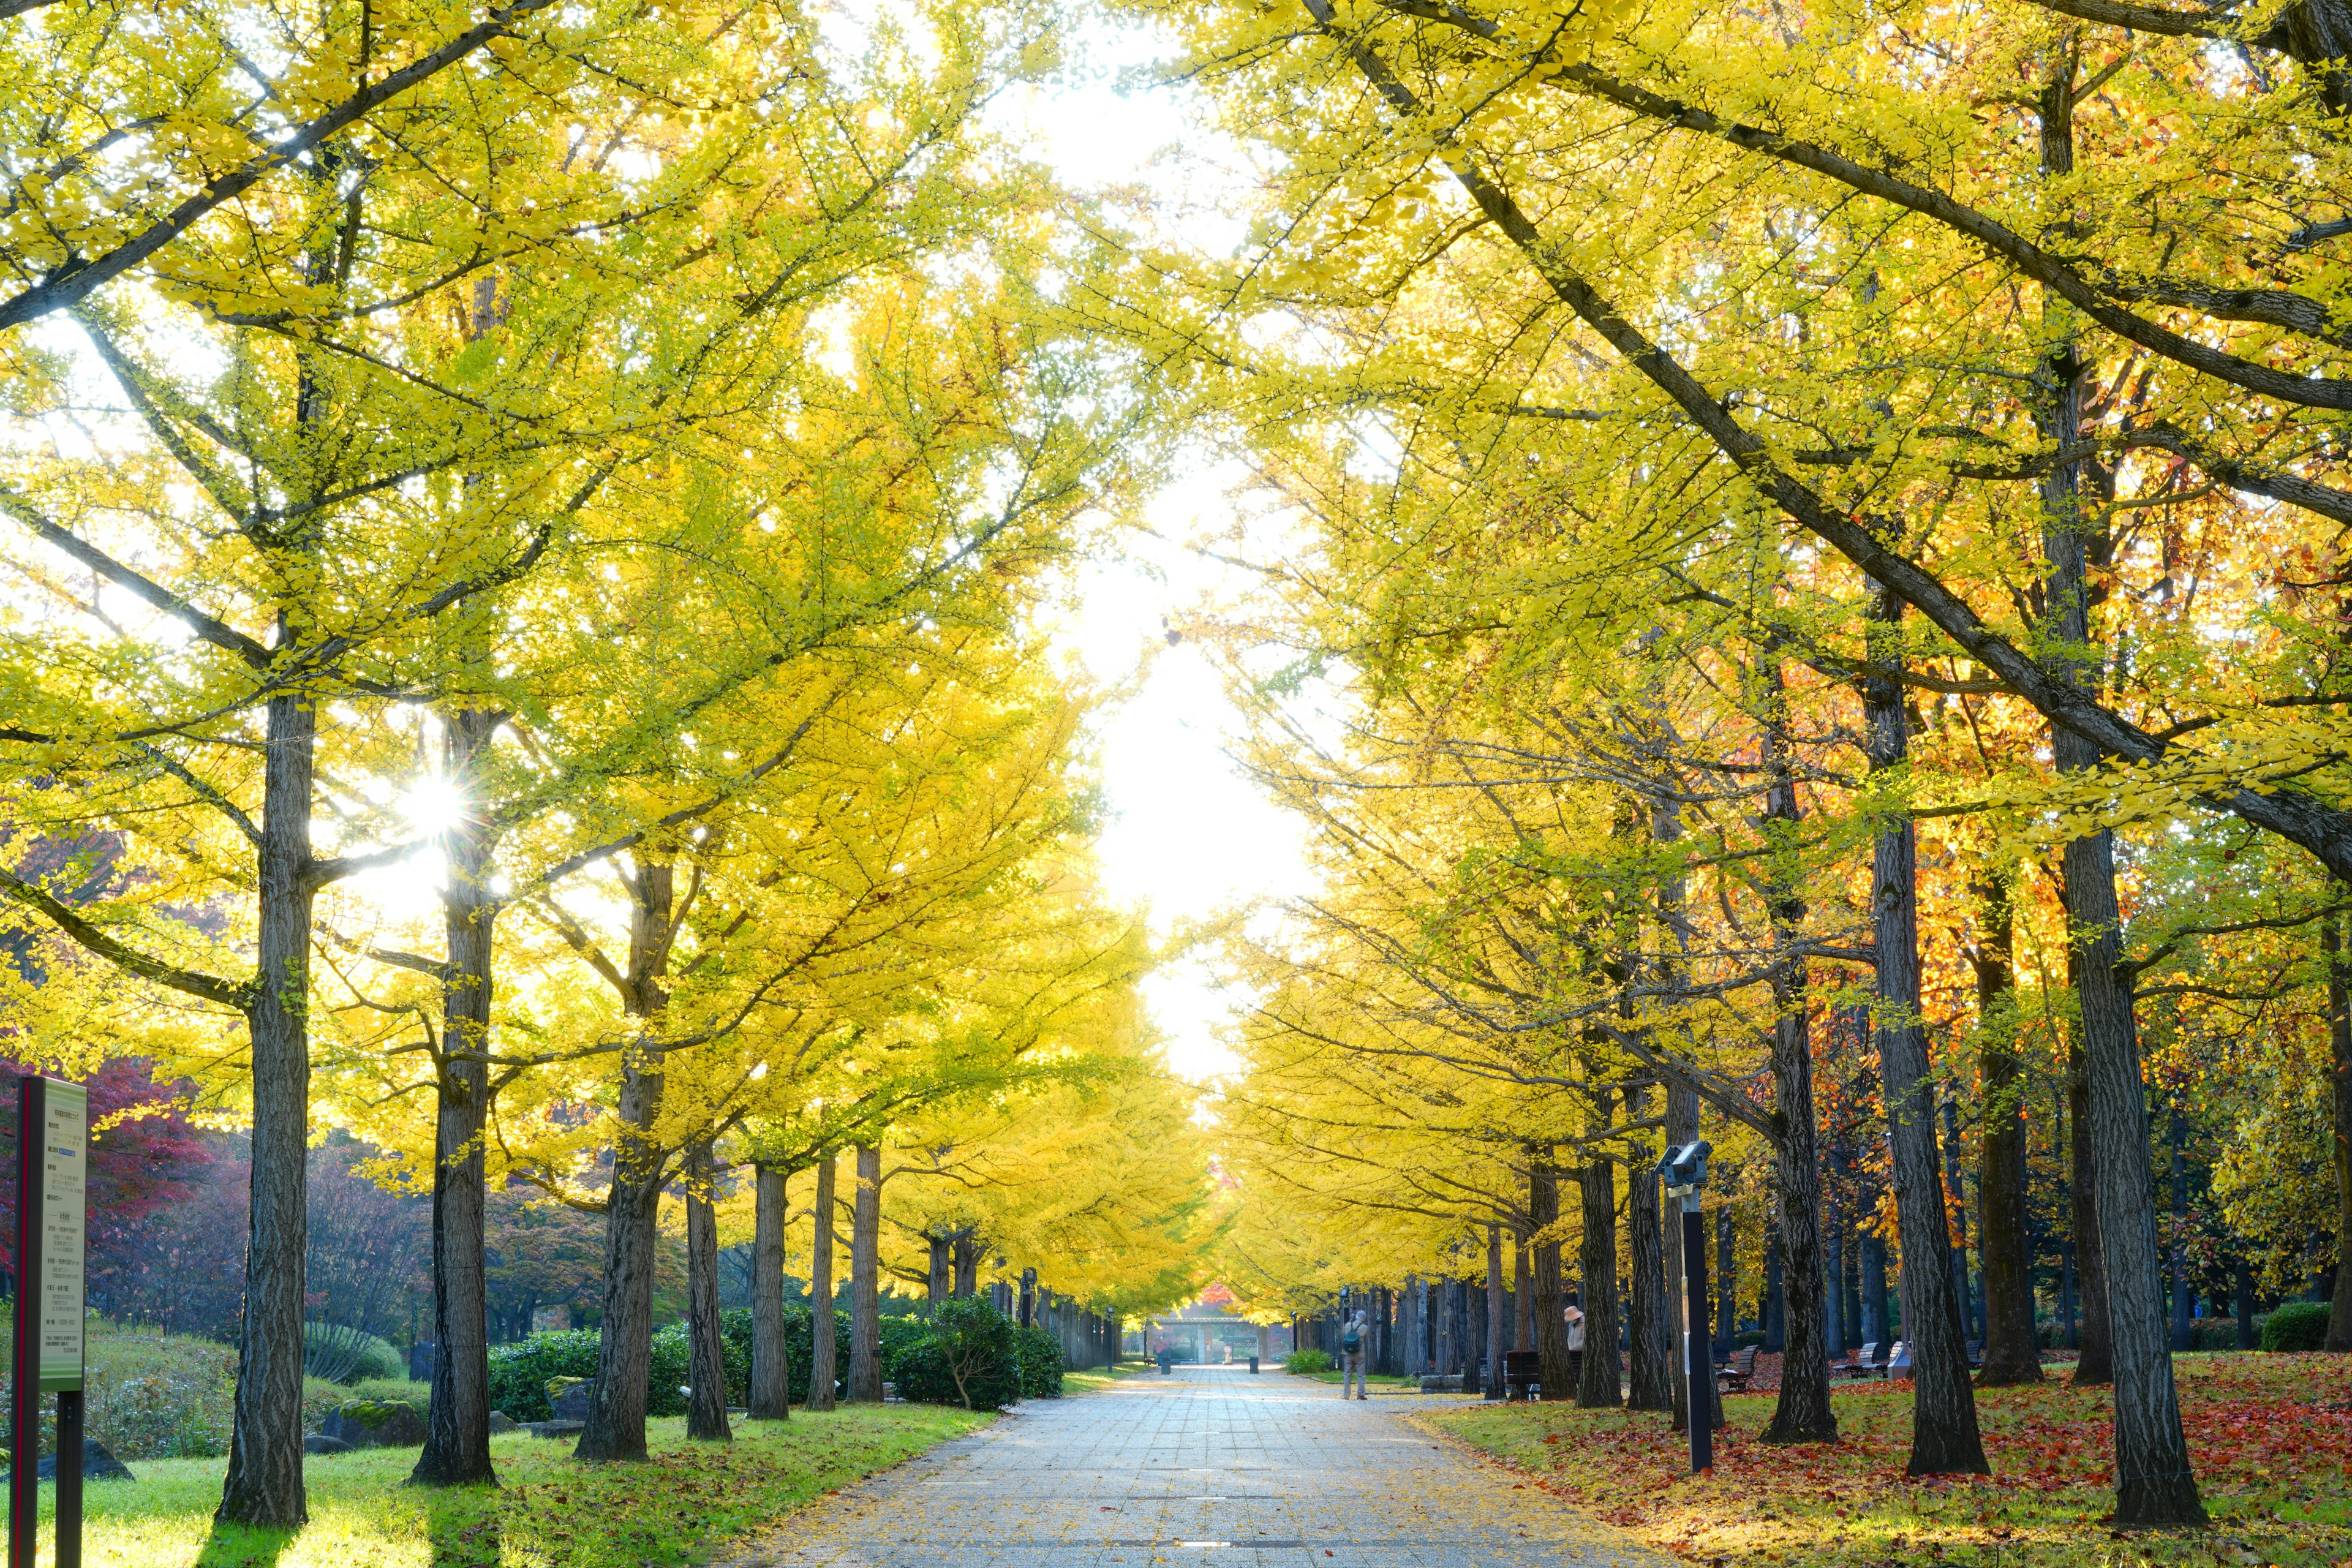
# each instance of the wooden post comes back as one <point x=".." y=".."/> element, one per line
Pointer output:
<point x="52" y="1135"/>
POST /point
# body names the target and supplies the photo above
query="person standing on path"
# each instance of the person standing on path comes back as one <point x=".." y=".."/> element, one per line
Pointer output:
<point x="1351" y="1356"/>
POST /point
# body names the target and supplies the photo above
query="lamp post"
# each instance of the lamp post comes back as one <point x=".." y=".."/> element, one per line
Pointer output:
<point x="1684" y="1173"/>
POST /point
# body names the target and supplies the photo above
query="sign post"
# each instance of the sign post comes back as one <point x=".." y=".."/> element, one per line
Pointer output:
<point x="52" y="1146"/>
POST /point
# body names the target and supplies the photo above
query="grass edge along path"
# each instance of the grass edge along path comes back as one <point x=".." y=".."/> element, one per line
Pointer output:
<point x="686" y="1504"/>
<point x="2271" y="1437"/>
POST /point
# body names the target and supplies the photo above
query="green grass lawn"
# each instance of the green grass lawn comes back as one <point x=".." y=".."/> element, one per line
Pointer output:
<point x="680" y="1507"/>
<point x="2269" y="1435"/>
<point x="1103" y="1376"/>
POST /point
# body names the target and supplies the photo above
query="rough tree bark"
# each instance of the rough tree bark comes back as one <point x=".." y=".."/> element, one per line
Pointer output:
<point x="823" y="1373"/>
<point x="2094" y="1365"/>
<point x="2154" y="1483"/>
<point x="967" y="1256"/>
<point x="264" y="1455"/>
<point x="1496" y="1340"/>
<point x="1601" y="1378"/>
<point x="1523" y="1301"/>
<point x="1802" y="1413"/>
<point x="615" y="1427"/>
<point x="1650" y="1321"/>
<point x="705" y="1405"/>
<point x="1556" y="1372"/>
<point x="1944" y="1434"/>
<point x="457" y="1425"/>
<point x="938" y="1277"/>
<point x="2339" y="1036"/>
<point x="866" y="1280"/>
<point x="2012" y="1353"/>
<point x="769" y="1397"/>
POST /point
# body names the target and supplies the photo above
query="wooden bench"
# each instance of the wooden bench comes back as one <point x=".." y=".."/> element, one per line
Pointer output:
<point x="1732" y="1376"/>
<point x="1522" y="1374"/>
<point x="1868" y="1362"/>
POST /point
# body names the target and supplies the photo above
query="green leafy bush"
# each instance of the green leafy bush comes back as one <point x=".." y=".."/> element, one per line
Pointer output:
<point x="1039" y="1355"/>
<point x="150" y="1395"/>
<point x="2296" y="1326"/>
<point x="347" y="1356"/>
<point x="519" y="1372"/>
<point x="965" y="1355"/>
<point x="1306" y="1361"/>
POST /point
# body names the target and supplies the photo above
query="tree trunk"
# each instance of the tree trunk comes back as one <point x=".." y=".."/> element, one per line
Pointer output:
<point x="1776" y="1324"/>
<point x="705" y="1407"/>
<point x="2154" y="1484"/>
<point x="2012" y="1353"/>
<point x="769" y="1397"/>
<point x="1496" y="1340"/>
<point x="1557" y="1372"/>
<point x="1727" y="1279"/>
<point x="968" y="1251"/>
<point x="264" y="1486"/>
<point x="1802" y="1413"/>
<point x="2339" y="1036"/>
<point x="615" y="1427"/>
<point x="1651" y="1328"/>
<point x="458" y="1427"/>
<point x="2093" y="1364"/>
<point x="1601" y="1380"/>
<point x="1837" y="1327"/>
<point x="1944" y="1435"/>
<point x="866" y="1280"/>
<point x="1523" y="1300"/>
<point x="2184" y="1302"/>
<point x="823" y="1373"/>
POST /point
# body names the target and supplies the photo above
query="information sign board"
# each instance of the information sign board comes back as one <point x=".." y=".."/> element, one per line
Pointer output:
<point x="64" y="1192"/>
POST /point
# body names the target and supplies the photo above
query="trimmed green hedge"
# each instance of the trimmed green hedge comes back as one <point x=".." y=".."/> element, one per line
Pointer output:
<point x="1306" y="1361"/>
<point x="1040" y="1356"/>
<point x="2296" y="1326"/>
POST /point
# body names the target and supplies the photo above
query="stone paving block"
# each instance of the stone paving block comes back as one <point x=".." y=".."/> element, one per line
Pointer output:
<point x="1209" y="1468"/>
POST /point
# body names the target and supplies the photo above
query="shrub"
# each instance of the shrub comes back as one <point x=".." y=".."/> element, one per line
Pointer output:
<point x="1307" y="1362"/>
<point x="1752" y="1338"/>
<point x="394" y="1391"/>
<point x="1039" y="1355"/>
<point x="2215" y="1334"/>
<point x="519" y="1372"/>
<point x="965" y="1355"/>
<point x="2296" y="1326"/>
<point x="346" y="1355"/>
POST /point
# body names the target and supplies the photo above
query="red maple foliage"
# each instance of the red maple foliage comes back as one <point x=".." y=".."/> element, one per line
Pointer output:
<point x="143" y="1156"/>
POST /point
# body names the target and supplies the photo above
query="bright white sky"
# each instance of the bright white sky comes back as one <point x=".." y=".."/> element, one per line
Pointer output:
<point x="1191" y="838"/>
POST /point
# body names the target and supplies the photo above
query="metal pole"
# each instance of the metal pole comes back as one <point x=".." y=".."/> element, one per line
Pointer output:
<point x="24" y="1381"/>
<point x="1698" y="1363"/>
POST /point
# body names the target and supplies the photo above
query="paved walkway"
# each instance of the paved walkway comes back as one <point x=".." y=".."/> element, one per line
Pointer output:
<point x="1209" y="1466"/>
